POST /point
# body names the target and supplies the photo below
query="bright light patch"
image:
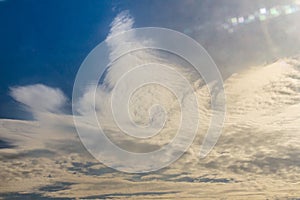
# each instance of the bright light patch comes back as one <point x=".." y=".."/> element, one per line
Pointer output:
<point x="241" y="20"/>
<point x="288" y="9"/>
<point x="261" y="14"/>
<point x="274" y="12"/>
<point x="263" y="11"/>
<point x="234" y="21"/>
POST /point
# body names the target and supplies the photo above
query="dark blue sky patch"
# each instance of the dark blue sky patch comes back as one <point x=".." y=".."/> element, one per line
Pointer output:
<point x="45" y="42"/>
<point x="28" y="196"/>
<point x="6" y="144"/>
<point x="56" y="187"/>
<point x="129" y="195"/>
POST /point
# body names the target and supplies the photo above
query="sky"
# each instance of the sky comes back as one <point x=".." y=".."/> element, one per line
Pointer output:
<point x="254" y="44"/>
<point x="46" y="42"/>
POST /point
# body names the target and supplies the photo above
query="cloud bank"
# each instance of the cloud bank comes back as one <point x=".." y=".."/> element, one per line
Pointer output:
<point x="259" y="146"/>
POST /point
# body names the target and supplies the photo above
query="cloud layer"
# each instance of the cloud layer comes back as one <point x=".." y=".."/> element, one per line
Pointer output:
<point x="257" y="153"/>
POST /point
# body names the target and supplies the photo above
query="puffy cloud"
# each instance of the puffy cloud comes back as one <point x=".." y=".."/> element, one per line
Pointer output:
<point x="39" y="98"/>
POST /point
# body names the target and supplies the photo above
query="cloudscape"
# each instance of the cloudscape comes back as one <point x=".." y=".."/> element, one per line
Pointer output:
<point x="150" y="99"/>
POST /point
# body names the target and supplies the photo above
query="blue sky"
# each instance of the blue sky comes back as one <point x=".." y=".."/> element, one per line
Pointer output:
<point x="46" y="41"/>
<point x="51" y="153"/>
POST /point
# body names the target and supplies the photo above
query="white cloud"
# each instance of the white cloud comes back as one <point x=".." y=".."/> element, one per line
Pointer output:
<point x="39" y="98"/>
<point x="256" y="137"/>
<point x="122" y="22"/>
